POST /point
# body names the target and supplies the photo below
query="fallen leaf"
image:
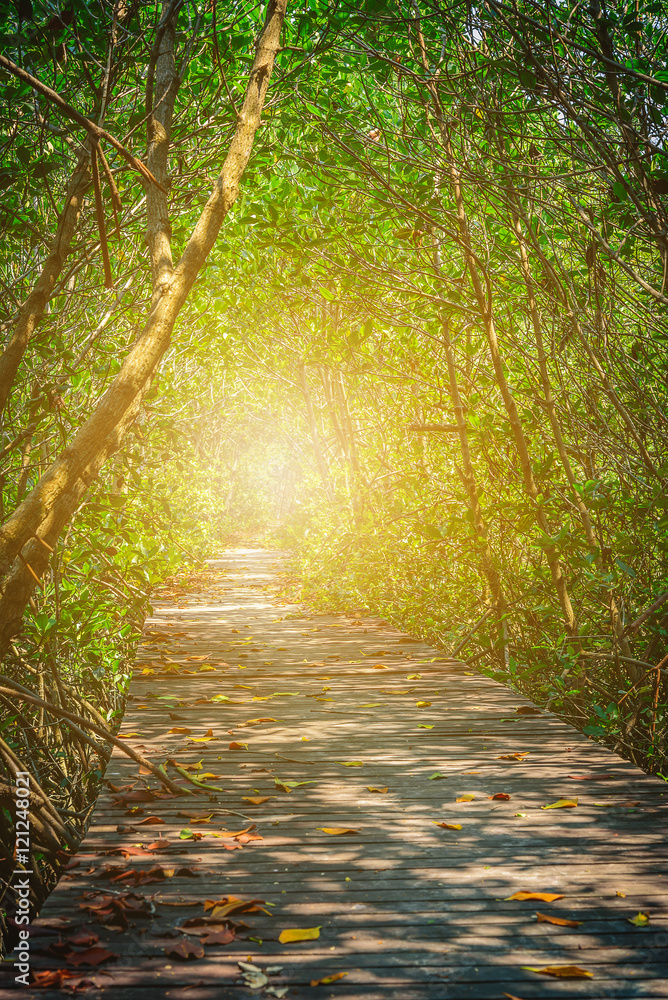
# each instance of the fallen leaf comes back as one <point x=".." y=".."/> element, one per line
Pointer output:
<point x="188" y="834"/>
<point x="185" y="951"/>
<point x="224" y="936"/>
<point x="436" y="775"/>
<point x="237" y="746"/>
<point x="511" y="996"/>
<point x="48" y="978"/>
<point x="150" y="821"/>
<point x="544" y="897"/>
<point x="640" y="920"/>
<point x="196" y="817"/>
<point x="527" y="710"/>
<point x="562" y="804"/>
<point x="562" y="971"/>
<point x="336" y="830"/>
<point x="592" y="777"/>
<point x="379" y="666"/>
<point x="546" y="918"/>
<point x="127" y="736"/>
<point x="422" y="725"/>
<point x="257" y="800"/>
<point x="91" y="956"/>
<point x="179" y="729"/>
<point x="499" y="795"/>
<point x="414" y="677"/>
<point x="449" y="826"/>
<point x="350" y="763"/>
<point x="232" y="904"/>
<point x="299" y="934"/>
<point x="372" y="788"/>
<point x="622" y="894"/>
<point x="328" y="979"/>
<point x="465" y="798"/>
<point x="518" y="755"/>
<point x="422" y="704"/>
<point x="83" y="938"/>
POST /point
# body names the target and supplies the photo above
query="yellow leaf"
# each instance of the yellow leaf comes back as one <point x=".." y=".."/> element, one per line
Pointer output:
<point x="562" y="804"/>
<point x="465" y="798"/>
<point x="371" y="788"/>
<point x="640" y="920"/>
<point x="379" y="666"/>
<point x="449" y="826"/>
<point x="126" y="736"/>
<point x="328" y="979"/>
<point x="372" y="704"/>
<point x="562" y="971"/>
<point x="350" y="763"/>
<point x="414" y="677"/>
<point x="299" y="934"/>
<point x="518" y="755"/>
<point x="257" y="800"/>
<point x="423" y="725"/>
<point x="335" y="831"/>
<point x="622" y="894"/>
<point x="544" y="897"/>
<point x="422" y="704"/>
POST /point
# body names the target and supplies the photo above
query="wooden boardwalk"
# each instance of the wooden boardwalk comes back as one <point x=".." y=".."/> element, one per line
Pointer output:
<point x="406" y="909"/>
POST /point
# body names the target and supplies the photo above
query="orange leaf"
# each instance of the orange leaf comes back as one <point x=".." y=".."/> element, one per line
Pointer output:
<point x="518" y="755"/>
<point x="545" y="918"/>
<point x="562" y="971"/>
<point x="336" y="830"/>
<point x="328" y="979"/>
<point x="238" y="746"/>
<point x="499" y="795"/>
<point x="257" y="800"/>
<point x="544" y="897"/>
<point x="449" y="826"/>
<point x="381" y="791"/>
<point x="150" y="821"/>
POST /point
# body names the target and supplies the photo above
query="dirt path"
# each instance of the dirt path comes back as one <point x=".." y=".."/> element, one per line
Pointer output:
<point x="391" y="740"/>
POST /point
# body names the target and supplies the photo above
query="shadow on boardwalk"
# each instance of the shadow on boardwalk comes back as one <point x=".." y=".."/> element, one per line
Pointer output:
<point x="406" y="909"/>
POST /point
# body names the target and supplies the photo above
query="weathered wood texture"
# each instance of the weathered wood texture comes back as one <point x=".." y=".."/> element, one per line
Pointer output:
<point x="407" y="910"/>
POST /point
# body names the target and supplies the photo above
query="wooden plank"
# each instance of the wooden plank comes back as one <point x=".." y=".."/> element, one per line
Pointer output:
<point x="407" y="910"/>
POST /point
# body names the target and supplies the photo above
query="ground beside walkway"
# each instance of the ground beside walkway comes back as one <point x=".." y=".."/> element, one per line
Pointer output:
<point x="390" y="740"/>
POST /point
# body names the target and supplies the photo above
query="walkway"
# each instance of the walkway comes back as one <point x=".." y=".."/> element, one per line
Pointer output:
<point x="389" y="740"/>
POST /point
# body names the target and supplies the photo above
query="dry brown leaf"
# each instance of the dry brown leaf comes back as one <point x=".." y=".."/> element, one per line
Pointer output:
<point x="372" y="788"/>
<point x="257" y="800"/>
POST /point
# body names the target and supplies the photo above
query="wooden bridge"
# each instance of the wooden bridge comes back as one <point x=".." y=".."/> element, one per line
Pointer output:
<point x="386" y="823"/>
